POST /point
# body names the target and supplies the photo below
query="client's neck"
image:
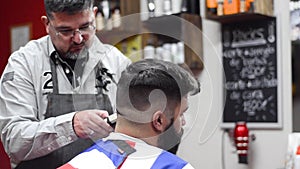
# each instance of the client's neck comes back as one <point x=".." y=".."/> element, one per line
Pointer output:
<point x="137" y="130"/>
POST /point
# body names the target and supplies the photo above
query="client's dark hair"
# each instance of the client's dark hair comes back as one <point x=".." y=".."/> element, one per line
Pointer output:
<point x="141" y="78"/>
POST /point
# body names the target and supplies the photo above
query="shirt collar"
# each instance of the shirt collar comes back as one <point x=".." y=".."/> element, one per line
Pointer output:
<point x="121" y="136"/>
<point x="50" y="46"/>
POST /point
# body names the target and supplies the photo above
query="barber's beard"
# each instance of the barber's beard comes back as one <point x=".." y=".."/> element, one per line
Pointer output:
<point x="170" y="139"/>
<point x="78" y="55"/>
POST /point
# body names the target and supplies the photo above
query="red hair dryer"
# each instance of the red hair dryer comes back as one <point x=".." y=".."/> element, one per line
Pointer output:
<point x="241" y="138"/>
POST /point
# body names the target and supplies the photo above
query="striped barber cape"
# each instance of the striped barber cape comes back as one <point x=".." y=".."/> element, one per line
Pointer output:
<point x="128" y="153"/>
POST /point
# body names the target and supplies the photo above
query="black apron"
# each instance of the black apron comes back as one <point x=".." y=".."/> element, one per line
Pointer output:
<point x="59" y="104"/>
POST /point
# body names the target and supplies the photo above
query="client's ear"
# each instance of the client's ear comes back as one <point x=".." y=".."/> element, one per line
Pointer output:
<point x="159" y="121"/>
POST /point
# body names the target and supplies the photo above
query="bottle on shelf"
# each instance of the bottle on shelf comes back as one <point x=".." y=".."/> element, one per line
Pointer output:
<point x="105" y="9"/>
<point x="159" y="52"/>
<point x="149" y="52"/>
<point x="211" y="6"/>
<point x="167" y="6"/>
<point x="180" y="56"/>
<point x="167" y="55"/>
<point x="243" y="7"/>
<point x="174" y="52"/>
<point x="176" y="6"/>
<point x="116" y="18"/>
<point x="106" y="14"/>
<point x="109" y="24"/>
<point x="220" y="8"/>
<point x="231" y="7"/>
<point x="184" y="5"/>
<point x="158" y="8"/>
<point x="99" y="21"/>
<point x="250" y="5"/>
<point x="151" y="8"/>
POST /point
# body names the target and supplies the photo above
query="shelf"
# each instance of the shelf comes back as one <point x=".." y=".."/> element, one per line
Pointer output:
<point x="296" y="42"/>
<point x="115" y="35"/>
<point x="163" y="29"/>
<point x="181" y="27"/>
<point x="240" y="17"/>
<point x="169" y="25"/>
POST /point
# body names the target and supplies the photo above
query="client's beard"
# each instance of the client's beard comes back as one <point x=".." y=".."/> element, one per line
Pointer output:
<point x="74" y="56"/>
<point x="170" y="139"/>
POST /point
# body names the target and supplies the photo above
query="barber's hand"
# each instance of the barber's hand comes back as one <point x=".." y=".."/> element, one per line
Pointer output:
<point x="91" y="124"/>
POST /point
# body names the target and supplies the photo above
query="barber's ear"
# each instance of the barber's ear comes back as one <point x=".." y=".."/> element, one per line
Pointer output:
<point x="159" y="121"/>
<point x="45" y="21"/>
<point x="95" y="10"/>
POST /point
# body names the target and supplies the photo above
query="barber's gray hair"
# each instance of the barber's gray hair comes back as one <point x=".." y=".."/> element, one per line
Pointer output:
<point x="66" y="6"/>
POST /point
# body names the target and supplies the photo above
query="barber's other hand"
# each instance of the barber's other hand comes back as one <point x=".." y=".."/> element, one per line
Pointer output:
<point x="91" y="124"/>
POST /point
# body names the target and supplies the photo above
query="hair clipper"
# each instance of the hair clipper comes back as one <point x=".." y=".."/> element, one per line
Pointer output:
<point x="111" y="120"/>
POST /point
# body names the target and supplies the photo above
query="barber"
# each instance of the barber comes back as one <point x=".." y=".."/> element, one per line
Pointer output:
<point x="56" y="91"/>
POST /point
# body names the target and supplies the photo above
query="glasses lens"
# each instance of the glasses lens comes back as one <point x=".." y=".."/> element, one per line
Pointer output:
<point x="85" y="30"/>
<point x="66" y="33"/>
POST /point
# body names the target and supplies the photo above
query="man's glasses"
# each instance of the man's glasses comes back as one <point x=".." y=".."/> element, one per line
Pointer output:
<point x="69" y="33"/>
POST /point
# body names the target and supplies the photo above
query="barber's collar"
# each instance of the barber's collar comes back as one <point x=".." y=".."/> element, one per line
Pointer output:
<point x="97" y="52"/>
<point x="50" y="46"/>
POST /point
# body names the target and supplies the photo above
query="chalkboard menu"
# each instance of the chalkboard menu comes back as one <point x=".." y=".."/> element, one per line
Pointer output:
<point x="250" y="65"/>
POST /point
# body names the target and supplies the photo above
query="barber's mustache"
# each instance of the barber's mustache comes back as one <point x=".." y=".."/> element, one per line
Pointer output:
<point x="77" y="44"/>
<point x="82" y="43"/>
